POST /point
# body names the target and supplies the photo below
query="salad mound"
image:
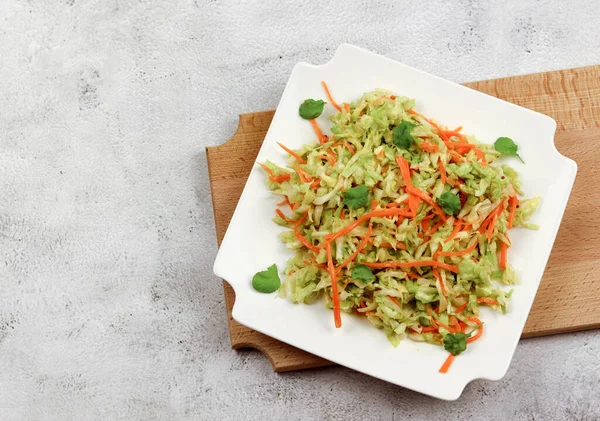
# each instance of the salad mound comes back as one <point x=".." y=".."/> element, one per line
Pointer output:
<point x="400" y="220"/>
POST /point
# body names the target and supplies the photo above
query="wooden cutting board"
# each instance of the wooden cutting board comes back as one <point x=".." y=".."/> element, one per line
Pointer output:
<point x="568" y="297"/>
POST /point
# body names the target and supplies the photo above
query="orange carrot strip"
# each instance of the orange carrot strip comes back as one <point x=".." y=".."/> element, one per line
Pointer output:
<point x="334" y="288"/>
<point x="347" y="107"/>
<point x="416" y="263"/>
<point x="435" y="227"/>
<point x="417" y="192"/>
<point x="442" y="170"/>
<point x="315" y="183"/>
<point x="444" y="368"/>
<point x="503" y="255"/>
<point x="514" y="202"/>
<point x="490" y="228"/>
<point x="331" y="154"/>
<point x="480" y="155"/>
<point x="267" y="169"/>
<point x="322" y="138"/>
<point x="455" y="231"/>
<point x="404" y="169"/>
<point x="461" y="308"/>
<point x="365" y="217"/>
<point x="488" y="301"/>
<point x="429" y="147"/>
<point x="337" y="107"/>
<point x="291" y="152"/>
<point x="282" y="177"/>
<point x="360" y="247"/>
<point x="349" y="147"/>
<point x="304" y="241"/>
<point x="476" y="336"/>
<point x="459" y="253"/>
<point x="394" y="300"/>
<point x="439" y="279"/>
<point x="413" y="204"/>
<point x="281" y="215"/>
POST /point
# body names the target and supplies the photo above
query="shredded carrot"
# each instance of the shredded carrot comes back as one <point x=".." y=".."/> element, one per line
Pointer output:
<point x="322" y="138"/>
<point x="455" y="231"/>
<point x="442" y="170"/>
<point x="477" y="335"/>
<point x="347" y="107"/>
<point x="514" y="202"/>
<point x="429" y="147"/>
<point x="461" y="308"/>
<point x="413" y="204"/>
<point x="304" y="176"/>
<point x="349" y="147"/>
<point x="404" y="169"/>
<point x="373" y="205"/>
<point x="488" y="301"/>
<point x="416" y="263"/>
<point x="417" y="192"/>
<point x="394" y="300"/>
<point x="304" y="241"/>
<point x="454" y="323"/>
<point x="281" y="178"/>
<point x="281" y="215"/>
<point x="444" y="368"/>
<point x="435" y="228"/>
<point x="425" y="225"/>
<point x="503" y="255"/>
<point x="439" y="279"/>
<point x="360" y="247"/>
<point x="365" y="217"/>
<point x="331" y="154"/>
<point x="445" y="326"/>
<point x="337" y="107"/>
<point x="459" y="253"/>
<point x="490" y="228"/>
<point x="267" y="169"/>
<point x="334" y="288"/>
<point x="315" y="183"/>
<point x="425" y="329"/>
<point x="283" y="202"/>
<point x="291" y="152"/>
<point x="480" y="155"/>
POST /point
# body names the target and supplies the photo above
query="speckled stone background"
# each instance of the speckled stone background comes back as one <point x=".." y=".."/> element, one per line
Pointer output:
<point x="108" y="306"/>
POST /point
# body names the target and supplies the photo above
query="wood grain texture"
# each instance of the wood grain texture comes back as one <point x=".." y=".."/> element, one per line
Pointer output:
<point x="572" y="98"/>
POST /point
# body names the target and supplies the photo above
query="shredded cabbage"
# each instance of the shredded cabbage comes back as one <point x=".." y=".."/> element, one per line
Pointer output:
<point x="401" y="225"/>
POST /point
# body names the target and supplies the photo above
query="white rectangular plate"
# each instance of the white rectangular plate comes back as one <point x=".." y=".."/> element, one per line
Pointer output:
<point x="251" y="243"/>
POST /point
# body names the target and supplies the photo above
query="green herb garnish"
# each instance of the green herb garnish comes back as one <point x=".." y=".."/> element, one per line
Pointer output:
<point x="456" y="343"/>
<point x="357" y="197"/>
<point x="450" y="203"/>
<point x="401" y="135"/>
<point x="362" y="273"/>
<point x="267" y="281"/>
<point x="506" y="146"/>
<point x="311" y="108"/>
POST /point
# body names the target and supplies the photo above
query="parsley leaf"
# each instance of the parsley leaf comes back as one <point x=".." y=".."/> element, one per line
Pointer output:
<point x="311" y="108"/>
<point x="362" y="273"/>
<point x="455" y="343"/>
<point x="357" y="197"/>
<point x="401" y="135"/>
<point x="506" y="146"/>
<point x="450" y="203"/>
<point x="267" y="281"/>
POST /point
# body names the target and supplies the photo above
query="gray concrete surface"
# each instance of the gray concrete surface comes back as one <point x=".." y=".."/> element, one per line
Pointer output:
<point x="108" y="307"/>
